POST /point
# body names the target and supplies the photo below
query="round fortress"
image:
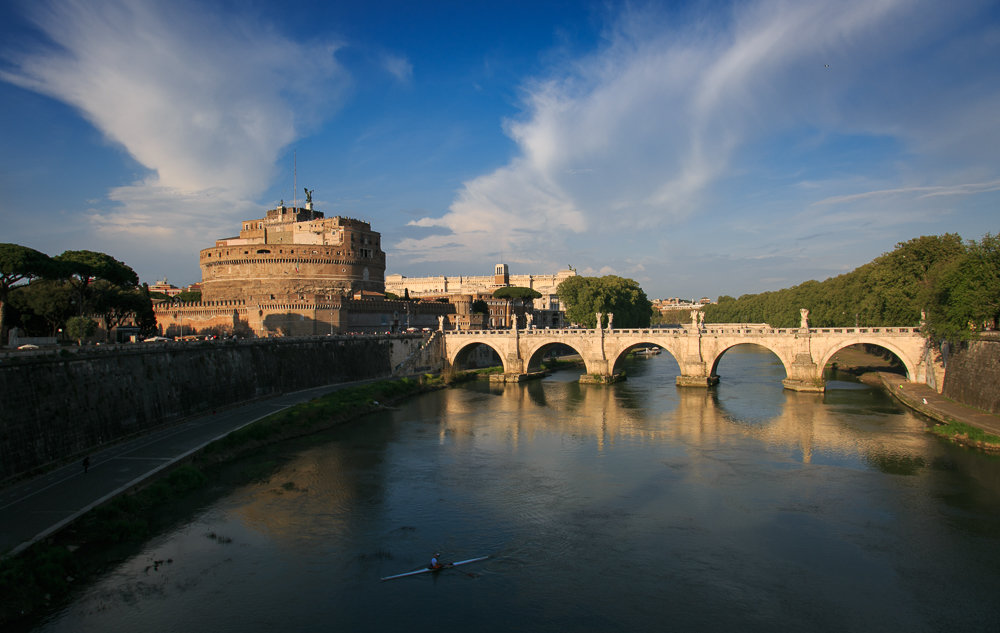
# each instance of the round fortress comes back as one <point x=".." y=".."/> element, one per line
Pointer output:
<point x="294" y="253"/>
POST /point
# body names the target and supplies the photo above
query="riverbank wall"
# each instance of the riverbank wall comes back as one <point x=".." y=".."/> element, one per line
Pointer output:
<point x="58" y="405"/>
<point x="973" y="373"/>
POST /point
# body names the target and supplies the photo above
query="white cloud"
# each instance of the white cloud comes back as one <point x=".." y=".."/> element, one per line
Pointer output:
<point x="204" y="101"/>
<point x="636" y="138"/>
<point x="399" y="67"/>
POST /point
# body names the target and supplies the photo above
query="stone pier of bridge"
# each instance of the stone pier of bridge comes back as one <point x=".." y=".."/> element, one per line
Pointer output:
<point x="698" y="348"/>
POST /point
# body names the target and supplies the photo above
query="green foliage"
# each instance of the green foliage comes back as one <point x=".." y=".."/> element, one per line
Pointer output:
<point x="189" y="296"/>
<point x="516" y="292"/>
<point x="891" y="290"/>
<point x="584" y="297"/>
<point x="965" y="293"/>
<point x="18" y="263"/>
<point x="51" y="301"/>
<point x="80" y="327"/>
<point x="480" y="307"/>
<point x="961" y="432"/>
<point x="86" y="266"/>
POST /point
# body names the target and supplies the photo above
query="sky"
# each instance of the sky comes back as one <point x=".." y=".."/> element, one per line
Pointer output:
<point x="699" y="148"/>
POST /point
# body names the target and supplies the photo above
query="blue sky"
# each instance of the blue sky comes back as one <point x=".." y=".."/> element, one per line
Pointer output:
<point x="700" y="148"/>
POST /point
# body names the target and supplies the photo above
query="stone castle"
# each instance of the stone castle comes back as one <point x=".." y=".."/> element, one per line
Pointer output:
<point x="293" y="253"/>
<point x="295" y="272"/>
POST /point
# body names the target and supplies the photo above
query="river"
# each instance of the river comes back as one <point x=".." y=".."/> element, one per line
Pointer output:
<point x="632" y="507"/>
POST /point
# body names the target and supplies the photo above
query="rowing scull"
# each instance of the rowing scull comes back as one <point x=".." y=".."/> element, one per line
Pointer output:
<point x="430" y="569"/>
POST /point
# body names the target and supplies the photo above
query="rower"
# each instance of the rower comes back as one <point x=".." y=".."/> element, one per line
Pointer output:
<point x="435" y="563"/>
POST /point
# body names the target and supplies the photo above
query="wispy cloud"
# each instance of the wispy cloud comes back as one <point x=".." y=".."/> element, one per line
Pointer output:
<point x="204" y="101"/>
<point x="637" y="137"/>
<point x="399" y="67"/>
<point x="965" y="189"/>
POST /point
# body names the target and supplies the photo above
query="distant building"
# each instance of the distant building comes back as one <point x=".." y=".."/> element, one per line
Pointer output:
<point x="547" y="311"/>
<point x="165" y="287"/>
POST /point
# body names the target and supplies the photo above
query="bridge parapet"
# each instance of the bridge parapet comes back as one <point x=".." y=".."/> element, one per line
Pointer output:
<point x="803" y="351"/>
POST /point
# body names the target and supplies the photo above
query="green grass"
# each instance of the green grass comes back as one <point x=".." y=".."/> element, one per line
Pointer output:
<point x="965" y="432"/>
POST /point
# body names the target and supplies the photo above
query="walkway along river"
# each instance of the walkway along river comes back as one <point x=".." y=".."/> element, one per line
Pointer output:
<point x="633" y="507"/>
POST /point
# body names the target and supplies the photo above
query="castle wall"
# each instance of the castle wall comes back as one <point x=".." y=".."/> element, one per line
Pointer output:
<point x="58" y="406"/>
<point x="298" y="318"/>
<point x="973" y="374"/>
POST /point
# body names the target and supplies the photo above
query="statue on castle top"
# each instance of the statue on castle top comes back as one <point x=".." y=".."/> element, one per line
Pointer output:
<point x="309" y="195"/>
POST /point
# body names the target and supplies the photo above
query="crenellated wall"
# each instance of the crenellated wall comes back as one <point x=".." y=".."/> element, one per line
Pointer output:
<point x="54" y="406"/>
<point x="973" y="376"/>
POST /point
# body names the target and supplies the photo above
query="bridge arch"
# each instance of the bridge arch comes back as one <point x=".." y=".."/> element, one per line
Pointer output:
<point x="714" y="363"/>
<point x="460" y="356"/>
<point x="615" y="362"/>
<point x="908" y="363"/>
<point x="536" y="353"/>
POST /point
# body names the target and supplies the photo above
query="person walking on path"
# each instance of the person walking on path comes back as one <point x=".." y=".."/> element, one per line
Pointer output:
<point x="86" y="463"/>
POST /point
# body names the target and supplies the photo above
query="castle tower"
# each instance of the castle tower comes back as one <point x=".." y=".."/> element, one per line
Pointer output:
<point x="501" y="276"/>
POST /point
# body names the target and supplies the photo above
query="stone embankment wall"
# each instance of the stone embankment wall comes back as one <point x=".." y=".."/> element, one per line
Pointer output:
<point x="54" y="406"/>
<point x="973" y="374"/>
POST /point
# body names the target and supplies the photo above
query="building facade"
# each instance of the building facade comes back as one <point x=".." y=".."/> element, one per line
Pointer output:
<point x="547" y="311"/>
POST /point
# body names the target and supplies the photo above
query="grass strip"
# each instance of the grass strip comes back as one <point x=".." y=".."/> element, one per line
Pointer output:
<point x="967" y="434"/>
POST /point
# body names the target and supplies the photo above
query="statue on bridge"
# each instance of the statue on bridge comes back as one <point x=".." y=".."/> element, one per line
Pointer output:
<point x="611" y="318"/>
<point x="805" y="318"/>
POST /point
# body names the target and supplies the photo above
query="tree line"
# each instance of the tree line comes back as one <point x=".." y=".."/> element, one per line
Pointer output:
<point x="42" y="294"/>
<point x="953" y="284"/>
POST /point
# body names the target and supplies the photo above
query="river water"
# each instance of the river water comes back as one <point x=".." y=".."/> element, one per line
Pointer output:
<point x="634" y="507"/>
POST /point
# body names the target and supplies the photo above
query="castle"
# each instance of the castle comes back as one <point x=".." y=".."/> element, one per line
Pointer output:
<point x="295" y="272"/>
<point x="294" y="253"/>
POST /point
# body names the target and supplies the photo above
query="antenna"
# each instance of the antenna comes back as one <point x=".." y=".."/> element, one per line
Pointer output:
<point x="295" y="179"/>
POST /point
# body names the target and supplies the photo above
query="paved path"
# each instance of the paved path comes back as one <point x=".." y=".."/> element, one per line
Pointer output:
<point x="932" y="404"/>
<point x="33" y="509"/>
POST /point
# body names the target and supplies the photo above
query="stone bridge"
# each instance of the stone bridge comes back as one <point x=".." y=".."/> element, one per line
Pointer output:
<point x="697" y="348"/>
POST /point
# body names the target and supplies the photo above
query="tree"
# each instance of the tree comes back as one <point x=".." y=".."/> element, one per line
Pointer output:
<point x="965" y="294"/>
<point x="516" y="292"/>
<point x="52" y="300"/>
<point x="18" y="263"/>
<point x="584" y="297"/>
<point x="890" y="290"/>
<point x="80" y="327"/>
<point x="116" y="304"/>
<point x="189" y="296"/>
<point x="81" y="268"/>
<point x="480" y="307"/>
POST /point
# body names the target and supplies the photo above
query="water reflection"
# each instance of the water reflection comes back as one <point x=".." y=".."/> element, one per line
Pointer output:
<point x="604" y="508"/>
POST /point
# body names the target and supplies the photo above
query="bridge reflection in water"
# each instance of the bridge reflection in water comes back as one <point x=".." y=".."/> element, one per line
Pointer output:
<point x="751" y="403"/>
